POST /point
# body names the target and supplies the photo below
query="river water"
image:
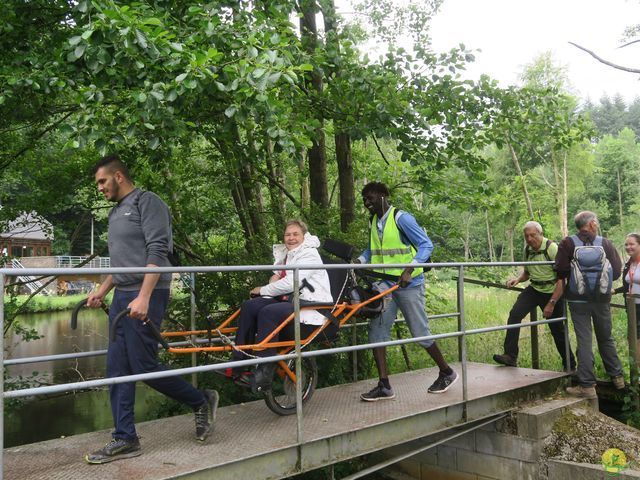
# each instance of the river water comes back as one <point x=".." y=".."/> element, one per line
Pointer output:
<point x="40" y="418"/>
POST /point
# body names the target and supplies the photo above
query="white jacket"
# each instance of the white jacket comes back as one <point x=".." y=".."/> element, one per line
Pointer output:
<point x="306" y="253"/>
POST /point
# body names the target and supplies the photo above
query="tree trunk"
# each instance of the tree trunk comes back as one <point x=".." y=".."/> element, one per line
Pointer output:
<point x="564" y="226"/>
<point x="276" y="196"/>
<point x="466" y="239"/>
<point x="492" y="253"/>
<point x="620" y="200"/>
<point x="560" y="186"/>
<point x="241" y="211"/>
<point x="317" y="153"/>
<point x="345" y="176"/>
<point x="250" y="190"/>
<point x="303" y="179"/>
<point x="509" y="234"/>
<point x="516" y="163"/>
<point x="342" y="139"/>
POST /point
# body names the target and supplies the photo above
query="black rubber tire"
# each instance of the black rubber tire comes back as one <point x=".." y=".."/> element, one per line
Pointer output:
<point x="281" y="398"/>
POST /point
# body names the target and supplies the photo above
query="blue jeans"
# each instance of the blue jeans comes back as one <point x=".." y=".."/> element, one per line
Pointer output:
<point x="134" y="351"/>
<point x="410" y="301"/>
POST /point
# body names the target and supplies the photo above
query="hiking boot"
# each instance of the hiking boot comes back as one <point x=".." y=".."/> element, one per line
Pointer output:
<point x="379" y="392"/>
<point x="582" y="392"/>
<point x="506" y="360"/>
<point x="443" y="382"/>
<point x="261" y="379"/>
<point x="618" y="382"/>
<point x="205" y="415"/>
<point x="116" y="449"/>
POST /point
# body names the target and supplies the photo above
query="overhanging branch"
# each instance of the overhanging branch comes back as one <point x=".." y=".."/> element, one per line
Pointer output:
<point x="606" y="62"/>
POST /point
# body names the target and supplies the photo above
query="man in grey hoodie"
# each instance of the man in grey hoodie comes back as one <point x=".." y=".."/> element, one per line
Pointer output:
<point x="139" y="236"/>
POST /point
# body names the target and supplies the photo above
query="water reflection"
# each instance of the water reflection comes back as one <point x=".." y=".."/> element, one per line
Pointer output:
<point x="58" y="337"/>
<point x="46" y="418"/>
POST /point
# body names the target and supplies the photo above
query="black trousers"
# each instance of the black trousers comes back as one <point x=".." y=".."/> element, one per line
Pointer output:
<point x="529" y="299"/>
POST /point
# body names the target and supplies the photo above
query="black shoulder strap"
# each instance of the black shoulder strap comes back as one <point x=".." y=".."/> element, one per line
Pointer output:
<point x="136" y="201"/>
<point x="173" y="255"/>
<point x="545" y="252"/>
<point x="397" y="214"/>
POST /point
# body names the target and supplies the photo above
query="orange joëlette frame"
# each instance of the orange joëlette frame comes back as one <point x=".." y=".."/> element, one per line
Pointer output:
<point x="342" y="311"/>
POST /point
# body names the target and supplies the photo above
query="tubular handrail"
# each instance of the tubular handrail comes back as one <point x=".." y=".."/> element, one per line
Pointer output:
<point x="298" y="354"/>
<point x="253" y="361"/>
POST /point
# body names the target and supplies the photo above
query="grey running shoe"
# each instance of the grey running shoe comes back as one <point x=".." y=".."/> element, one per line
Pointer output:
<point x="116" y="449"/>
<point x="380" y="392"/>
<point x="443" y="382"/>
<point x="205" y="415"/>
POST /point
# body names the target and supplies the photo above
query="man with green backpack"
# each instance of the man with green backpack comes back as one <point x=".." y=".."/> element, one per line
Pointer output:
<point x="542" y="281"/>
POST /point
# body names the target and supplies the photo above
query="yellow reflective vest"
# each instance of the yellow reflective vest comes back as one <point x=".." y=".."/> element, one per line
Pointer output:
<point x="390" y="249"/>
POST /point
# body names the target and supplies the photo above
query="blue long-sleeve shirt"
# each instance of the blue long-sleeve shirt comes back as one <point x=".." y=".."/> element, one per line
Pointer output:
<point x="410" y="234"/>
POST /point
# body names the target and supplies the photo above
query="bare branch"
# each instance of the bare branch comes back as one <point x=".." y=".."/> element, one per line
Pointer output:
<point x="274" y="182"/>
<point x="629" y="43"/>
<point x="606" y="62"/>
<point x="375" y="140"/>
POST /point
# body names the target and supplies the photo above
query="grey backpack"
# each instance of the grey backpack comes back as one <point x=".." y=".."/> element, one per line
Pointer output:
<point x="591" y="273"/>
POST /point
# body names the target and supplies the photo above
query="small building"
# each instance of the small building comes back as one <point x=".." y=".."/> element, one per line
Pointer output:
<point x="29" y="235"/>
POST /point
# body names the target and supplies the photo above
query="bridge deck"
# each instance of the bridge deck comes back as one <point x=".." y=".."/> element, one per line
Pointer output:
<point x="252" y="442"/>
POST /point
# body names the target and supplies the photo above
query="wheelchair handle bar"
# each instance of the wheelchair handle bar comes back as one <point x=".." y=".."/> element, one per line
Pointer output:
<point x="78" y="307"/>
<point x="154" y="330"/>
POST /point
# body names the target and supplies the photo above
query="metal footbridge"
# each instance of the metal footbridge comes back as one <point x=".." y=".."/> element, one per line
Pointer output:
<point x="251" y="442"/>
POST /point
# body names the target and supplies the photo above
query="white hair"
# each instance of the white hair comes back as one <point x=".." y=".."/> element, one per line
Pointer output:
<point x="533" y="224"/>
<point x="583" y="219"/>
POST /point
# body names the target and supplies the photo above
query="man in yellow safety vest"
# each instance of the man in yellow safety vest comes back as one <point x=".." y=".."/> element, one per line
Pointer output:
<point x="395" y="237"/>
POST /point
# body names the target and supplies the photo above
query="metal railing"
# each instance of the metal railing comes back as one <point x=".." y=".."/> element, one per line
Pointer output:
<point x="632" y="338"/>
<point x="66" y="261"/>
<point x="297" y="354"/>
<point x="31" y="282"/>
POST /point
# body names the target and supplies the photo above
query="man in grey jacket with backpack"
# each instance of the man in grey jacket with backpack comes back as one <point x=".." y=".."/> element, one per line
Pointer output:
<point x="587" y="264"/>
<point x="139" y="236"/>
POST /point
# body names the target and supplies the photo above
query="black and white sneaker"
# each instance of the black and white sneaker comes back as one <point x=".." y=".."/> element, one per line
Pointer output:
<point x="443" y="382"/>
<point x="205" y="415"/>
<point x="380" y="392"/>
<point x="116" y="449"/>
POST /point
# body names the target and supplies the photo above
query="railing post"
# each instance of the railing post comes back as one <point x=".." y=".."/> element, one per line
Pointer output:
<point x="535" y="347"/>
<point x="2" y="277"/>
<point x="194" y="356"/>
<point x="462" y="341"/>
<point x="354" y="354"/>
<point x="296" y="309"/>
<point x="632" y="338"/>
<point x="567" y="346"/>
